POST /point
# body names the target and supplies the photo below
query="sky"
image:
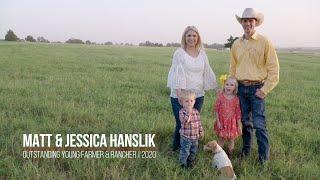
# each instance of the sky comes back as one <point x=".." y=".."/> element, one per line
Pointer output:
<point x="287" y="23"/>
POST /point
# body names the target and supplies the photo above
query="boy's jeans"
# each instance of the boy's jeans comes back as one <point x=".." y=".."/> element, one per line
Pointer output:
<point x="176" y="108"/>
<point x="253" y="117"/>
<point x="188" y="150"/>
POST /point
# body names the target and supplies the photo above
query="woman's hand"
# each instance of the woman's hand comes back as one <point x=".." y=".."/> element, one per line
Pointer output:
<point x="178" y="91"/>
<point x="218" y="91"/>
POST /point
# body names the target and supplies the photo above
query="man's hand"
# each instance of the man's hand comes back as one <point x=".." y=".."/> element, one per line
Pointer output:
<point x="260" y="94"/>
<point x="240" y="129"/>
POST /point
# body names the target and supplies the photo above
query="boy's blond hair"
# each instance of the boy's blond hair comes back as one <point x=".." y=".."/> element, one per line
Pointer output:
<point x="185" y="94"/>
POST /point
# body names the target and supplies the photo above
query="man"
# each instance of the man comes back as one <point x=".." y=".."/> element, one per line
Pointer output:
<point x="255" y="64"/>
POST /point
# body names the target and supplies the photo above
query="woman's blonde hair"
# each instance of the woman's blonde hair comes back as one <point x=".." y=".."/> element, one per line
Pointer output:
<point x="235" y="82"/>
<point x="183" y="39"/>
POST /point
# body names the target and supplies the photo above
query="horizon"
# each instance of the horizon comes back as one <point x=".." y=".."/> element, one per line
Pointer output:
<point x="158" y="22"/>
<point x="164" y="45"/>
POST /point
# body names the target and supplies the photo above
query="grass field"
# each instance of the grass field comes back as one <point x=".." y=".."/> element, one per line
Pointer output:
<point x="59" y="88"/>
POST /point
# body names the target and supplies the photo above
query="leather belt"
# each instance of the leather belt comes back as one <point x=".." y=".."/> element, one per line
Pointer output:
<point x="250" y="83"/>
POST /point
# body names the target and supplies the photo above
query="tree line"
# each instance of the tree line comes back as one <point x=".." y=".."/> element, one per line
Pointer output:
<point x="11" y="36"/>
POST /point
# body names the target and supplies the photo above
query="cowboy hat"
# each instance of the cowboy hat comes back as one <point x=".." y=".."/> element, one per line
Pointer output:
<point x="251" y="13"/>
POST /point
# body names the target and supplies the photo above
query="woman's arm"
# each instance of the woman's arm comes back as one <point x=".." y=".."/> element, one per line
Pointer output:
<point x="176" y="75"/>
<point x="209" y="78"/>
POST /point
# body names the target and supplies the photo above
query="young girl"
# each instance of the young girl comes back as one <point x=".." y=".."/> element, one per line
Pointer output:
<point x="228" y="114"/>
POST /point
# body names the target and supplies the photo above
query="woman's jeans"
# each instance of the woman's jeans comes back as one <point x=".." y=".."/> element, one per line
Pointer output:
<point x="253" y="117"/>
<point x="176" y="108"/>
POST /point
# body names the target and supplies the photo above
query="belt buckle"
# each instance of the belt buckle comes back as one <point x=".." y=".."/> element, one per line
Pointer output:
<point x="246" y="83"/>
<point x="250" y="83"/>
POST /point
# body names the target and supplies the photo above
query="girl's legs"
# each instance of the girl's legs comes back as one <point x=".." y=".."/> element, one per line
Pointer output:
<point x="230" y="147"/>
<point x="221" y="142"/>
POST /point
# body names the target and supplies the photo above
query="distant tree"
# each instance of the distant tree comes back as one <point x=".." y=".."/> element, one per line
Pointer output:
<point x="108" y="43"/>
<point x="88" y="42"/>
<point x="10" y="36"/>
<point x="230" y="41"/>
<point x="213" y="46"/>
<point x="74" y="41"/>
<point x="173" y="45"/>
<point x="42" y="40"/>
<point x="158" y="45"/>
<point x="128" y="44"/>
<point x="150" y="44"/>
<point x="30" y="38"/>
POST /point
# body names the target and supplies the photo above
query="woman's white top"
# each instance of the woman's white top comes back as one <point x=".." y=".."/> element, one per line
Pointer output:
<point x="190" y="73"/>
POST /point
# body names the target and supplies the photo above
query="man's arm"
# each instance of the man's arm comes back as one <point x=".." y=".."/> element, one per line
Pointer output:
<point x="233" y="62"/>
<point x="272" y="65"/>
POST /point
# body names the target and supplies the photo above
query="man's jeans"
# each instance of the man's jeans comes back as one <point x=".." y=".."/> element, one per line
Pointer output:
<point x="188" y="151"/>
<point x="176" y="108"/>
<point x="253" y="117"/>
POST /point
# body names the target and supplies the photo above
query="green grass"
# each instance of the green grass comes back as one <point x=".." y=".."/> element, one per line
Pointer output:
<point x="58" y="88"/>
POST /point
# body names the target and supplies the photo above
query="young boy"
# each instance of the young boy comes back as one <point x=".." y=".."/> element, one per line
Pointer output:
<point x="191" y="129"/>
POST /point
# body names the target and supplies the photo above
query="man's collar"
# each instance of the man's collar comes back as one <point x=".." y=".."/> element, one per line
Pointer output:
<point x="254" y="36"/>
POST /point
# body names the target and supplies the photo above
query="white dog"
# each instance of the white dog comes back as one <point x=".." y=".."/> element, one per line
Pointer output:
<point x="220" y="160"/>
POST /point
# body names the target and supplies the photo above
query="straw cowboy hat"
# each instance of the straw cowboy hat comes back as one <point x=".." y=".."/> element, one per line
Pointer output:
<point x="251" y="13"/>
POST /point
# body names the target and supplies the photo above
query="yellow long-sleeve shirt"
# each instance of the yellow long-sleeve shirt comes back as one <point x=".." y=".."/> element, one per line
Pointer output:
<point x="255" y="60"/>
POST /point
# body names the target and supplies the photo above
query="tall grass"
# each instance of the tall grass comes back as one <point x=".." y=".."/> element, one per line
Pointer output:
<point x="58" y="88"/>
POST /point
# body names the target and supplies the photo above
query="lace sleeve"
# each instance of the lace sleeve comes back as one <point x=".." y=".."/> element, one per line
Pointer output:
<point x="209" y="77"/>
<point x="177" y="76"/>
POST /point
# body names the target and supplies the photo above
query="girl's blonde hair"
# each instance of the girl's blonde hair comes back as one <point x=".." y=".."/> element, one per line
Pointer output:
<point x="186" y="94"/>
<point x="235" y="82"/>
<point x="183" y="39"/>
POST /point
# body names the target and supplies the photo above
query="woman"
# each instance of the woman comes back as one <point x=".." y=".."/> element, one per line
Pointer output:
<point x="190" y="70"/>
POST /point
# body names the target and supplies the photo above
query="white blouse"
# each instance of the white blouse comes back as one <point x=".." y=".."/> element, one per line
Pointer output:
<point x="191" y="73"/>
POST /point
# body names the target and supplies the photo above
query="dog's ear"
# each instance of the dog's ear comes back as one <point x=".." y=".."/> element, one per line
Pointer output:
<point x="207" y="147"/>
<point x="213" y="145"/>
